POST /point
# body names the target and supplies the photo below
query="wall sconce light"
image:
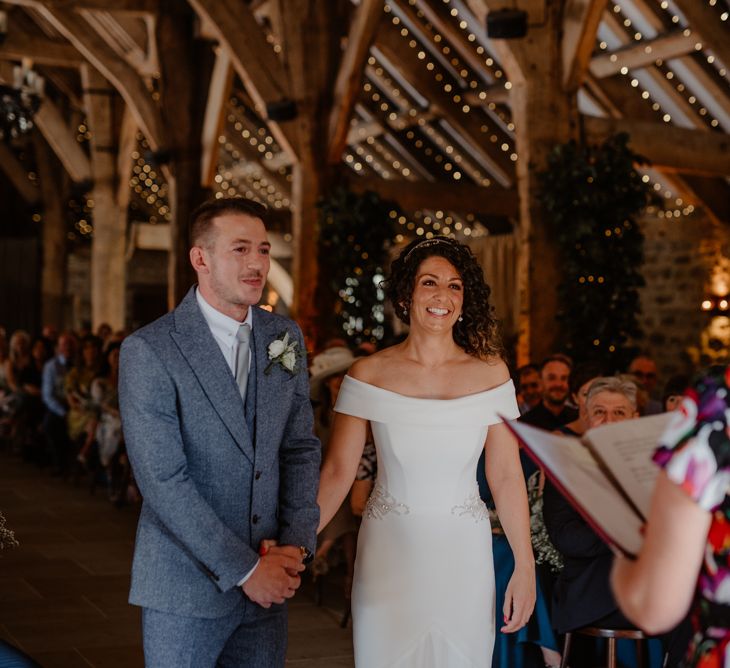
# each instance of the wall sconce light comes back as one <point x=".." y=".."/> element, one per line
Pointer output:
<point x="716" y="304"/>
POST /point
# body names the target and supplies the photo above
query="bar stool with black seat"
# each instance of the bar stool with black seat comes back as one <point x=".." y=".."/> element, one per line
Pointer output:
<point x="611" y="636"/>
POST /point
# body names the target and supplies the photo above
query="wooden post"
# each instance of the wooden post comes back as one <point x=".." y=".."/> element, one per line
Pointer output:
<point x="185" y="70"/>
<point x="311" y="32"/>
<point x="544" y="114"/>
<point x="53" y="272"/>
<point x="108" y="266"/>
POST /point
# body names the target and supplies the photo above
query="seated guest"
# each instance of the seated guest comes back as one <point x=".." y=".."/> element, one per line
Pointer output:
<point x="17" y="372"/>
<point x="32" y="409"/>
<point x="581" y="380"/>
<point x="529" y="387"/>
<point x="643" y="369"/>
<point x="53" y="392"/>
<point x="674" y="392"/>
<point x="582" y="595"/>
<point x="552" y="411"/>
<point x="78" y="393"/>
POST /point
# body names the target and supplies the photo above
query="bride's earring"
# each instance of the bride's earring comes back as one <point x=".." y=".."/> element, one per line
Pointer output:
<point x="461" y="318"/>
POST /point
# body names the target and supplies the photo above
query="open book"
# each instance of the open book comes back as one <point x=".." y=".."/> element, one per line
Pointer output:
<point x="607" y="475"/>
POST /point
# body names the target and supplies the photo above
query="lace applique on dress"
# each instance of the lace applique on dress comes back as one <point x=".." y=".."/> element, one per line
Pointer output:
<point x="381" y="503"/>
<point x="474" y="506"/>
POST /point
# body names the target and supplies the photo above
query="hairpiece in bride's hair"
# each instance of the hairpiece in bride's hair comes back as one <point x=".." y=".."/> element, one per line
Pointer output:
<point x="428" y="242"/>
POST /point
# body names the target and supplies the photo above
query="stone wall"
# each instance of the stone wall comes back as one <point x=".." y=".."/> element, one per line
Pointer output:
<point x="680" y="256"/>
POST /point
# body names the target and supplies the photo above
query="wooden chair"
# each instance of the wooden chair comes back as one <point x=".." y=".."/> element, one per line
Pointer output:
<point x="611" y="635"/>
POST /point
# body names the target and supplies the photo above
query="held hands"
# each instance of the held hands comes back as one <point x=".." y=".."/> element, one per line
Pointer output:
<point x="519" y="599"/>
<point x="276" y="578"/>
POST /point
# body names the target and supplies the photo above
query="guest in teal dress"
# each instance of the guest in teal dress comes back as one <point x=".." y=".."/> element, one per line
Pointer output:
<point x="534" y="645"/>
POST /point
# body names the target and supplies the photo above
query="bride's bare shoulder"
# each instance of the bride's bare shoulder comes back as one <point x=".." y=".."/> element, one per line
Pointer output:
<point x="369" y="369"/>
<point x="492" y="372"/>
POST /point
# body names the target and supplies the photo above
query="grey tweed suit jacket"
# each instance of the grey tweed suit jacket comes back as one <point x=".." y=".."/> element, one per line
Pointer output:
<point x="217" y="477"/>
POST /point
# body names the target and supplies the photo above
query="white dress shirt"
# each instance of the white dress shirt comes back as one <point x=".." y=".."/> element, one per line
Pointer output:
<point x="224" y="330"/>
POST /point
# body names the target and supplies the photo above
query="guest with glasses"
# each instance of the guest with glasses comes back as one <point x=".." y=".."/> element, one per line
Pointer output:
<point x="644" y="370"/>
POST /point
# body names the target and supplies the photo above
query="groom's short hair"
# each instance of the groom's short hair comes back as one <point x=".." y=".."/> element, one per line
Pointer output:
<point x="201" y="220"/>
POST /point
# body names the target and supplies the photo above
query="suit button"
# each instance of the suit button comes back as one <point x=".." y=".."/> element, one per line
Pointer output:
<point x="255" y="519"/>
<point x="258" y="475"/>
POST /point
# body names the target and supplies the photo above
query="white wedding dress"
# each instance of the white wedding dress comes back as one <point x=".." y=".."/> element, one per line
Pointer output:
<point x="423" y="592"/>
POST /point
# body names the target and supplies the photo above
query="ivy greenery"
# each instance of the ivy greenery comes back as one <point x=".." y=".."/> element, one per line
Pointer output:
<point x="592" y="196"/>
<point x="355" y="234"/>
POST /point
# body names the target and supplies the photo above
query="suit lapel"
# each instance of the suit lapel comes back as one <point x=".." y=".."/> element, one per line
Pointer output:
<point x="196" y="343"/>
<point x="265" y="332"/>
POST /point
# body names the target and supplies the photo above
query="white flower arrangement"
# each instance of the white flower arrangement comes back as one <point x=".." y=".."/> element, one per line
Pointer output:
<point x="285" y="352"/>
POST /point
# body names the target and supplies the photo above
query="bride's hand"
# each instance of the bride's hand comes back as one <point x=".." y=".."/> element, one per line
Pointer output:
<point x="519" y="599"/>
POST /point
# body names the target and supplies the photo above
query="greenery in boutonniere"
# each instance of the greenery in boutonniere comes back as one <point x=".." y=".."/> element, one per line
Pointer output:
<point x="285" y="352"/>
<point x="592" y="197"/>
<point x="355" y="234"/>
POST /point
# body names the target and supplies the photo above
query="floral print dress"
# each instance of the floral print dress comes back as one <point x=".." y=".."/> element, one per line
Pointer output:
<point x="695" y="454"/>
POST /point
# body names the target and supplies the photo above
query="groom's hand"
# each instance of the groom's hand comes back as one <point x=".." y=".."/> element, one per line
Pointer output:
<point x="276" y="577"/>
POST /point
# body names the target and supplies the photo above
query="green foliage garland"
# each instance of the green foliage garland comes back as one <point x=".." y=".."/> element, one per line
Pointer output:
<point x="355" y="233"/>
<point x="592" y="196"/>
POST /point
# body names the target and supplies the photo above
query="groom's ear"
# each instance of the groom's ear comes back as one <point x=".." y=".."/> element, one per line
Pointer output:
<point x="198" y="260"/>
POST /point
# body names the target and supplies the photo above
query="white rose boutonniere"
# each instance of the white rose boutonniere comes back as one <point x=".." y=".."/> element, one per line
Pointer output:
<point x="285" y="352"/>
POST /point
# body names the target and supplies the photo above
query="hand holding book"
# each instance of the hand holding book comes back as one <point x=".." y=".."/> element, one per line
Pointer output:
<point x="607" y="474"/>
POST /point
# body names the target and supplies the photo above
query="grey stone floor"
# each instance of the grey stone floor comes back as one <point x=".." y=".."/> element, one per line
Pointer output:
<point x="63" y="592"/>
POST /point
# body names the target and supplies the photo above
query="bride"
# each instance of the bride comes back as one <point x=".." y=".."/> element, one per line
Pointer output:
<point x="423" y="592"/>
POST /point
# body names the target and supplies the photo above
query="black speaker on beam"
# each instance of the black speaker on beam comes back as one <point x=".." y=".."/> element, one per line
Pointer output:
<point x="282" y="110"/>
<point x="507" y="24"/>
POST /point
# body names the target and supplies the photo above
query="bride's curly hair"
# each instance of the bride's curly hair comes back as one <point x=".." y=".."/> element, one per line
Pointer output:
<point x="477" y="331"/>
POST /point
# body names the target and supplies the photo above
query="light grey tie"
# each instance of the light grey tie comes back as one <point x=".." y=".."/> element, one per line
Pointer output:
<point x="242" y="354"/>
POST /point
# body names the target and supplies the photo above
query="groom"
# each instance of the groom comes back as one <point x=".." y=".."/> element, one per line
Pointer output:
<point x="215" y="406"/>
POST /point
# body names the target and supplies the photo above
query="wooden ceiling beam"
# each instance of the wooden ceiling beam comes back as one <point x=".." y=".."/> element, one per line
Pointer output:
<point x="349" y="77"/>
<point x="657" y="77"/>
<point x="126" y="6"/>
<point x="252" y="156"/>
<point x="433" y="12"/>
<point x="643" y="54"/>
<point x="666" y="146"/>
<point x="253" y="58"/>
<point x="61" y="137"/>
<point x="125" y="79"/>
<point x="124" y="44"/>
<point x="712" y="195"/>
<point x="219" y="90"/>
<point x="125" y="161"/>
<point x="19" y="45"/>
<point x="705" y="23"/>
<point x="18" y="176"/>
<point x="418" y="195"/>
<point x="469" y="124"/>
<point x="581" y="19"/>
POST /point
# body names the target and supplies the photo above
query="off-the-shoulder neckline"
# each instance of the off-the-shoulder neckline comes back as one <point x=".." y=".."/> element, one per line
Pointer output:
<point x="407" y="396"/>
